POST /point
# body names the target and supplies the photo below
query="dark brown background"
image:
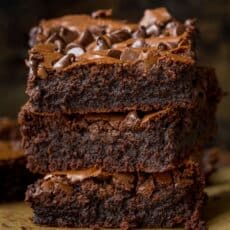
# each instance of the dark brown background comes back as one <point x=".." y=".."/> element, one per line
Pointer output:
<point x="18" y="16"/>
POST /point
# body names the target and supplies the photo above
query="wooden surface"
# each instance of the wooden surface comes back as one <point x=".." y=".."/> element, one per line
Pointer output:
<point x="17" y="216"/>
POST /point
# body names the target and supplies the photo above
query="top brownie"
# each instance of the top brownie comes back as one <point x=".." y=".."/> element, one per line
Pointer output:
<point x="84" y="64"/>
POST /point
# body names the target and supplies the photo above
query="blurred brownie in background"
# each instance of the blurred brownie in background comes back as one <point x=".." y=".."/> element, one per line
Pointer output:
<point x="14" y="177"/>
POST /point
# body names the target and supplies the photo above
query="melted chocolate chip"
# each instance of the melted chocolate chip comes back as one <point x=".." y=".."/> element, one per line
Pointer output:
<point x="153" y="30"/>
<point x="129" y="54"/>
<point x="114" y="53"/>
<point x="139" y="43"/>
<point x="119" y="35"/>
<point x="175" y="28"/>
<point x="64" y="61"/>
<point x="67" y="35"/>
<point x="102" y="13"/>
<point x="76" y="51"/>
<point x="86" y="38"/>
<point x="102" y="43"/>
<point x="140" y="33"/>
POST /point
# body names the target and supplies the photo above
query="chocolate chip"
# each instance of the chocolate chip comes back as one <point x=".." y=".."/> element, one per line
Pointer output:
<point x="129" y="54"/>
<point x="64" y="61"/>
<point x="33" y="35"/>
<point x="102" y="13"/>
<point x="157" y="16"/>
<point x="175" y="28"/>
<point x="41" y="72"/>
<point x="119" y="35"/>
<point x="138" y="43"/>
<point x="140" y="33"/>
<point x="86" y="38"/>
<point x="76" y="51"/>
<point x="60" y="45"/>
<point x="54" y="36"/>
<point x="114" y="53"/>
<point x="153" y="30"/>
<point x="67" y="35"/>
<point x="162" y="46"/>
<point x="103" y="43"/>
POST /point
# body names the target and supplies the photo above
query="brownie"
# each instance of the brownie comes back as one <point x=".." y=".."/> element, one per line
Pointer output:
<point x="123" y="143"/>
<point x="112" y="66"/>
<point x="93" y="198"/>
<point x="14" y="177"/>
<point x="134" y="141"/>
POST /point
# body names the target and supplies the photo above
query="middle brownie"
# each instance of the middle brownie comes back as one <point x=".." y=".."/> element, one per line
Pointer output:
<point x="130" y="142"/>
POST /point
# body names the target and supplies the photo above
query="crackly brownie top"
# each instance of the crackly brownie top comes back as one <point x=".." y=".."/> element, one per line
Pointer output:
<point x="62" y="43"/>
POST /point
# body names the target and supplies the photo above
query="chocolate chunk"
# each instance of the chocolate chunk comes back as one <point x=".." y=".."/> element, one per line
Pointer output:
<point x="103" y="43"/>
<point x="140" y="33"/>
<point x="41" y="72"/>
<point x="157" y="16"/>
<point x="102" y="13"/>
<point x="130" y="54"/>
<point x="119" y="35"/>
<point x="114" y="53"/>
<point x="175" y="28"/>
<point x="86" y="38"/>
<point x="64" y="61"/>
<point x="67" y="35"/>
<point x="153" y="30"/>
<point x="76" y="51"/>
<point x="139" y="43"/>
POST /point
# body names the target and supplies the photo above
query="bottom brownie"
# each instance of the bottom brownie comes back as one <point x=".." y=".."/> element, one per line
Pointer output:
<point x="92" y="198"/>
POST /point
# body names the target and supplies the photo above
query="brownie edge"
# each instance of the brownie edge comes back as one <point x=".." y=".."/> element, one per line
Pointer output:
<point x="133" y="200"/>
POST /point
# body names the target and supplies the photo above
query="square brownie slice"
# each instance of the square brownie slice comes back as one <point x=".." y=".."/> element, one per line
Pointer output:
<point x="83" y="64"/>
<point x="94" y="198"/>
<point x="122" y="143"/>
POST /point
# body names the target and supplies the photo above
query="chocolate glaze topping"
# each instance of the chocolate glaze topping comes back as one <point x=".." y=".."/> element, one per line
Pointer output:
<point x="62" y="43"/>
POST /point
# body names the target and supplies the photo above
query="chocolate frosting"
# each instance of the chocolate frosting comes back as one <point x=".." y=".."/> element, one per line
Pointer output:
<point x="63" y="43"/>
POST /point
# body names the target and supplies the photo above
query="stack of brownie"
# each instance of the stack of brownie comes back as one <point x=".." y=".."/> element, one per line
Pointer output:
<point x="116" y="115"/>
